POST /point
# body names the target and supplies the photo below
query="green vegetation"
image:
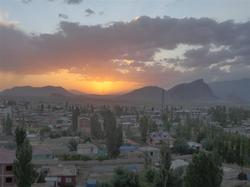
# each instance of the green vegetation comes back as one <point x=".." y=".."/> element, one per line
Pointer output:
<point x="122" y="178"/>
<point x="75" y="157"/>
<point x="96" y="127"/>
<point x="113" y="134"/>
<point x="75" y="114"/>
<point x="144" y="128"/>
<point x="72" y="145"/>
<point x="204" y="170"/>
<point x="23" y="168"/>
<point x="7" y="125"/>
<point x="233" y="148"/>
<point x="180" y="146"/>
<point x="229" y="116"/>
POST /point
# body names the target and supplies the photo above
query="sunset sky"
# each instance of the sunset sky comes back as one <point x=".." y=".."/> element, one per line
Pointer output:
<point x="112" y="46"/>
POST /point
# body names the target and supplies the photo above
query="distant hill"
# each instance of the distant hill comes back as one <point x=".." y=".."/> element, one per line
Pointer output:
<point x="239" y="89"/>
<point x="36" y="91"/>
<point x="150" y="94"/>
<point x="77" y="92"/>
<point x="196" y="91"/>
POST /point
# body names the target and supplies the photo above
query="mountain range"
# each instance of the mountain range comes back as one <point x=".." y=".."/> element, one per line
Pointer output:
<point x="236" y="91"/>
<point x="29" y="91"/>
<point x="196" y="91"/>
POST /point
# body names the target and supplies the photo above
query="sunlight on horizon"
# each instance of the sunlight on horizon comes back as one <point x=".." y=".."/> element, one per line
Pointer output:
<point x="69" y="81"/>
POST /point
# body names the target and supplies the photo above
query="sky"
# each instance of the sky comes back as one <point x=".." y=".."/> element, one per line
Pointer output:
<point x="113" y="46"/>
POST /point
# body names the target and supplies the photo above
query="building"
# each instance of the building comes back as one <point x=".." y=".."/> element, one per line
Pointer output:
<point x="61" y="176"/>
<point x="126" y="149"/>
<point x="156" y="138"/>
<point x="87" y="149"/>
<point x="84" y="125"/>
<point x="42" y="153"/>
<point x="7" y="178"/>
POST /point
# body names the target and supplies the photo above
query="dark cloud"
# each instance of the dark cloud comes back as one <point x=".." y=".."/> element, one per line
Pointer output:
<point x="89" y="12"/>
<point x="63" y="16"/>
<point x="26" y="1"/>
<point x="73" y="1"/>
<point x="123" y="49"/>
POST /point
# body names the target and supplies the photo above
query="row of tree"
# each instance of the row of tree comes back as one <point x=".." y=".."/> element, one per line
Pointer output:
<point x="7" y="125"/>
<point x="109" y="130"/>
<point x="204" y="170"/>
<point x="232" y="115"/>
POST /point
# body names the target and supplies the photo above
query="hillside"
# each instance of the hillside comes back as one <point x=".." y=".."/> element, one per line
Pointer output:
<point x="196" y="91"/>
<point x="25" y="91"/>
<point x="235" y="88"/>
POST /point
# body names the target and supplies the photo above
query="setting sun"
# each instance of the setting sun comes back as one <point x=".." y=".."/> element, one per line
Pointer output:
<point x="109" y="87"/>
<point x="103" y="87"/>
<point x="70" y="81"/>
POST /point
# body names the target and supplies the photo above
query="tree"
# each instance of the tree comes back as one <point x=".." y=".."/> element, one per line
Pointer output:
<point x="113" y="134"/>
<point x="3" y="125"/>
<point x="125" y="178"/>
<point x="166" y="122"/>
<point x="204" y="170"/>
<point x="75" y="115"/>
<point x="181" y="146"/>
<point x="20" y="136"/>
<point x="167" y="177"/>
<point x="8" y="125"/>
<point x="165" y="164"/>
<point x="23" y="168"/>
<point x="96" y="127"/>
<point x="72" y="145"/>
<point x="144" y="128"/>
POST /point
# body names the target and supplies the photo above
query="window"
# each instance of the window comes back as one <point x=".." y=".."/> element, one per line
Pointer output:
<point x="68" y="180"/>
<point x="9" y="168"/>
<point x="8" y="179"/>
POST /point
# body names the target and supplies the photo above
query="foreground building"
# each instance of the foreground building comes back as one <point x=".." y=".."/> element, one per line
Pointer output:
<point x="7" y="177"/>
<point x="61" y="176"/>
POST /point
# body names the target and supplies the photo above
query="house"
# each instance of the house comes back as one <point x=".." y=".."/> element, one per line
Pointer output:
<point x="156" y="138"/>
<point x="7" y="178"/>
<point x="87" y="149"/>
<point x="61" y="176"/>
<point x="42" y="153"/>
<point x="126" y="149"/>
<point x="62" y="123"/>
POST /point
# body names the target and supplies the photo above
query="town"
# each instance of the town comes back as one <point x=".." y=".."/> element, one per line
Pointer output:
<point x="86" y="145"/>
<point x="124" y="93"/>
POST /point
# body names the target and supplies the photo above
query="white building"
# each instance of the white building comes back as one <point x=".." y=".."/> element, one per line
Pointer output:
<point x="87" y="149"/>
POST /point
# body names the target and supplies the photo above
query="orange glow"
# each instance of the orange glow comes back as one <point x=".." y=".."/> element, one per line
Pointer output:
<point x="69" y="81"/>
<point x="109" y="87"/>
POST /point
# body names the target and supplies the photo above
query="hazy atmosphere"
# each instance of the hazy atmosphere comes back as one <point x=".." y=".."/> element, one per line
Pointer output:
<point x="124" y="93"/>
<point x="113" y="46"/>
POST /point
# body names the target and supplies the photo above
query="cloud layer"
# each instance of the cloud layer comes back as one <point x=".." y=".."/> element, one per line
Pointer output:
<point x="126" y="50"/>
<point x="66" y="1"/>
